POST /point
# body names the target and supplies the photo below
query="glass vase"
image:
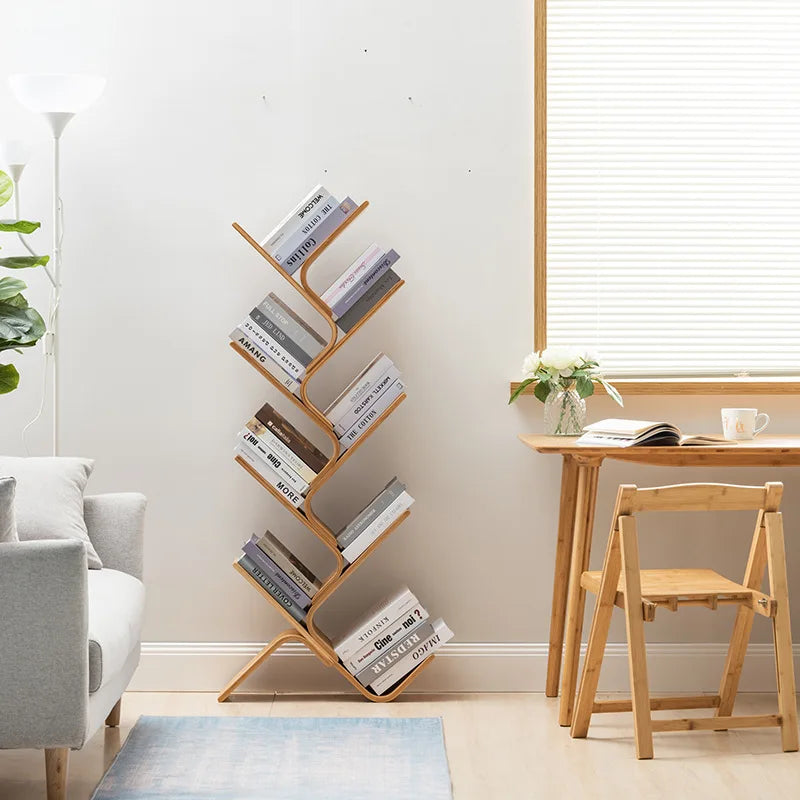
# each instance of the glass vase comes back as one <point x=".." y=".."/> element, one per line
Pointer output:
<point x="564" y="413"/>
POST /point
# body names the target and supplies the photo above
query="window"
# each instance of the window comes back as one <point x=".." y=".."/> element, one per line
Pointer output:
<point x="672" y="206"/>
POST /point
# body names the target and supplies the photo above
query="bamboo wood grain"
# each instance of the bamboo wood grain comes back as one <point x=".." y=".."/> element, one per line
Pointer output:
<point x="56" y="761"/>
<point x="658" y="704"/>
<point x="710" y="723"/>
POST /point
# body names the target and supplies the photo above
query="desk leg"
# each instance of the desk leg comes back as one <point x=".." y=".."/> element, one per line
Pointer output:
<point x="581" y="548"/>
<point x="566" y="523"/>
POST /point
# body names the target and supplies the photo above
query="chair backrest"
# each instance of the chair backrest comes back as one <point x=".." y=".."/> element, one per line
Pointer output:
<point x="698" y="497"/>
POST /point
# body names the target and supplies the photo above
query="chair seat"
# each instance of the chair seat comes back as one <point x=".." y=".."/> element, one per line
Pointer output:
<point x="659" y="585"/>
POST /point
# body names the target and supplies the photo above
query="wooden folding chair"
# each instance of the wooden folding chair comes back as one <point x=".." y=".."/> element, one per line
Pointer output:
<point x="640" y="592"/>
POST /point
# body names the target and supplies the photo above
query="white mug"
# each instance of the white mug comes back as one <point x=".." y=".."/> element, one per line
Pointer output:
<point x="740" y="423"/>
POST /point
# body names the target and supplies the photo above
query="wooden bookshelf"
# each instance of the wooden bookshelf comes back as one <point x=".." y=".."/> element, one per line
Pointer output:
<point x="307" y="632"/>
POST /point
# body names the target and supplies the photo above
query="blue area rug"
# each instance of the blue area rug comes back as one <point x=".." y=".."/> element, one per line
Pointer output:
<point x="279" y="758"/>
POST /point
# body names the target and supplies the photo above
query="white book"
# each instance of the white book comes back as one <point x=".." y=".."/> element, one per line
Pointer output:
<point x="377" y="527"/>
<point x="240" y="337"/>
<point x="294" y="219"/>
<point x="369" y="417"/>
<point x="358" y="387"/>
<point x="272" y="442"/>
<point x="312" y="222"/>
<point x="277" y="353"/>
<point x="641" y="433"/>
<point x="273" y="460"/>
<point x="271" y="477"/>
<point x="374" y="621"/>
<point x="339" y="288"/>
<point x="382" y="384"/>
<point x="401" y="668"/>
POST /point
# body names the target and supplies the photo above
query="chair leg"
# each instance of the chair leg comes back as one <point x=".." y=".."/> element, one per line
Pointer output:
<point x="56" y="760"/>
<point x="112" y="720"/>
<point x="776" y="561"/>
<point x="637" y="654"/>
<point x="598" y="636"/>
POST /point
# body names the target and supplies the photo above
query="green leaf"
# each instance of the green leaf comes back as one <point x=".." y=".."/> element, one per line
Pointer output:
<point x="17" y="300"/>
<point x="520" y="389"/>
<point x="19" y="226"/>
<point x="11" y="286"/>
<point x="9" y="378"/>
<point x="584" y="387"/>
<point x="6" y="188"/>
<point x="542" y="390"/>
<point x="21" y="326"/>
<point x="612" y="392"/>
<point x="23" y="262"/>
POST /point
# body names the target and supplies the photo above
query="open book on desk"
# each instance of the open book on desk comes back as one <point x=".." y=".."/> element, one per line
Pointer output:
<point x="639" y="433"/>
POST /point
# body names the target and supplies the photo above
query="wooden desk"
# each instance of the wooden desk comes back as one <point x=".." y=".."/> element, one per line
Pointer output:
<point x="579" y="474"/>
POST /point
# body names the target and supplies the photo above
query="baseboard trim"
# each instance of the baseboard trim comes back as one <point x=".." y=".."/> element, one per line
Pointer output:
<point x="460" y="667"/>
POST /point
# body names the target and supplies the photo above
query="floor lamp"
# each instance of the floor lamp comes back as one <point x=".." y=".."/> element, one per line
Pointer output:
<point x="58" y="98"/>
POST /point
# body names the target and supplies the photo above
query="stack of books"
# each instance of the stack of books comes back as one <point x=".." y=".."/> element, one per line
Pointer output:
<point x="367" y="396"/>
<point x="381" y="512"/>
<point x="280" y="454"/>
<point x="390" y="640"/>
<point x="281" y="573"/>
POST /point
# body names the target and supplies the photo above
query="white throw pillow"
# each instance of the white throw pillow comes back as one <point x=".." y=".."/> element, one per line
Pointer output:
<point x="8" y="527"/>
<point x="49" y="499"/>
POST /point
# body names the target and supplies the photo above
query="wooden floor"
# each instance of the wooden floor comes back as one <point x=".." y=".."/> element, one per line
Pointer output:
<point x="500" y="747"/>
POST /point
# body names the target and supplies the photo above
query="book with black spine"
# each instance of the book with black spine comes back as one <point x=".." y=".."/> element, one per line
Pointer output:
<point x="263" y="579"/>
<point x="275" y="573"/>
<point x="368" y="301"/>
<point x="297" y="443"/>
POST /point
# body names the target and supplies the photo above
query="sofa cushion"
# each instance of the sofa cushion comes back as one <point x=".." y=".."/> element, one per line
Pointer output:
<point x="8" y="526"/>
<point x="49" y="499"/>
<point x="116" y="609"/>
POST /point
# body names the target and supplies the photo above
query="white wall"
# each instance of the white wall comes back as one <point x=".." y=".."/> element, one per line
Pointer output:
<point x="424" y="109"/>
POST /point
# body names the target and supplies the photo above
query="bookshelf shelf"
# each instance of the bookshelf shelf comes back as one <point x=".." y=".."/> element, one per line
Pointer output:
<point x="307" y="632"/>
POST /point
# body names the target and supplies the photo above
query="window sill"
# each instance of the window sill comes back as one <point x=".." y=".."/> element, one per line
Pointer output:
<point x="697" y="386"/>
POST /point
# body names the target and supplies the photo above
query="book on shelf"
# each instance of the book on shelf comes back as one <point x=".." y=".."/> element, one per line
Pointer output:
<point x="395" y="652"/>
<point x="279" y="447"/>
<point x="371" y="276"/>
<point x="275" y="573"/>
<point x="316" y="220"/>
<point x="240" y="338"/>
<point x="275" y="351"/>
<point x="368" y="301"/>
<point x="370" y="512"/>
<point x="293" y="325"/>
<point x="254" y="460"/>
<point x="354" y="413"/>
<point x="273" y="460"/>
<point x="263" y="580"/>
<point x="374" y="621"/>
<point x="641" y="433"/>
<point x="290" y="564"/>
<point x="422" y="650"/>
<point x="358" y="387"/>
<point x="370" y="416"/>
<point x="294" y="440"/>
<point x="280" y="338"/>
<point x="319" y="195"/>
<point x="352" y="275"/>
<point x="380" y="524"/>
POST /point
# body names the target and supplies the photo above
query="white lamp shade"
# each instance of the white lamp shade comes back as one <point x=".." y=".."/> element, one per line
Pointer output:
<point x="14" y="152"/>
<point x="63" y="94"/>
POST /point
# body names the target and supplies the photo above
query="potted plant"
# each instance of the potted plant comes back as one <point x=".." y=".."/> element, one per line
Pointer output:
<point x="564" y="378"/>
<point x="20" y="325"/>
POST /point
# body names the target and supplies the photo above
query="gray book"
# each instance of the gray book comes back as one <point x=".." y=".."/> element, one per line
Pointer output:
<point x="275" y="573"/>
<point x="370" y="513"/>
<point x="394" y="653"/>
<point x="361" y="308"/>
<point x="278" y="593"/>
<point x="280" y="338"/>
<point x="296" y="328"/>
<point x="372" y="277"/>
<point x="370" y="417"/>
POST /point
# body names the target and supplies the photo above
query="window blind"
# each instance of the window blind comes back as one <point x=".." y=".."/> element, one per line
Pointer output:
<point x="673" y="199"/>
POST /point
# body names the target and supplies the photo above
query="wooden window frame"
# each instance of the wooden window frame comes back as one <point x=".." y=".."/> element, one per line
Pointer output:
<point x="629" y="386"/>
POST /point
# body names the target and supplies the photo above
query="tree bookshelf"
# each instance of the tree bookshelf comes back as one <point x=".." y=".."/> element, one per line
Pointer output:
<point x="307" y="632"/>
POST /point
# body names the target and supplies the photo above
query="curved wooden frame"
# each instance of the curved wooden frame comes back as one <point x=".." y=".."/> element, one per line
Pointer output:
<point x="308" y="633"/>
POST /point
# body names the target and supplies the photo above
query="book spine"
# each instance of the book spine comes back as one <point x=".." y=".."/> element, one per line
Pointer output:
<point x="337" y="290"/>
<point x="366" y="655"/>
<point x="311" y="222"/>
<point x="246" y="343"/>
<point x="368" y="515"/>
<point x="356" y="410"/>
<point x="274" y="461"/>
<point x="277" y="353"/>
<point x="292" y="325"/>
<point x="274" y="590"/>
<point x="295" y="440"/>
<point x="279" y="337"/>
<point x="441" y="634"/>
<point x="357" y="388"/>
<point x="394" y="653"/>
<point x="278" y="447"/>
<point x="292" y="261"/>
<point x="353" y="295"/>
<point x="290" y="564"/>
<point x="379" y="525"/>
<point x="292" y="221"/>
<point x="378" y="622"/>
<point x="371" y="414"/>
<point x="257" y="463"/>
<point x="276" y="574"/>
<point x="367" y="301"/>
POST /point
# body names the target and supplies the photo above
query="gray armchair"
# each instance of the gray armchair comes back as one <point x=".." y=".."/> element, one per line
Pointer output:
<point x="69" y="636"/>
